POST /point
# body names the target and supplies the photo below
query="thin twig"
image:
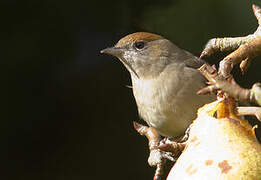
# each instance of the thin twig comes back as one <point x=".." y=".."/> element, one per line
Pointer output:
<point x="233" y="89"/>
<point x="155" y="158"/>
<point x="246" y="48"/>
<point x="251" y="111"/>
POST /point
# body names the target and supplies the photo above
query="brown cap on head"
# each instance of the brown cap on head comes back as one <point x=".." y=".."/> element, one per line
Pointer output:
<point x="138" y="36"/>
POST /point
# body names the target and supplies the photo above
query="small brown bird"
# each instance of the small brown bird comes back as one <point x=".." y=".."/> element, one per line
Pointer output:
<point x="165" y="80"/>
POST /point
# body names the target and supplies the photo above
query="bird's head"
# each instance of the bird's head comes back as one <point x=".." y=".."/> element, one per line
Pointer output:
<point x="144" y="54"/>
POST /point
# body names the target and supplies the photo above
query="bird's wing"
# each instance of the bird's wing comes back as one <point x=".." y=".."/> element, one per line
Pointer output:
<point x="193" y="61"/>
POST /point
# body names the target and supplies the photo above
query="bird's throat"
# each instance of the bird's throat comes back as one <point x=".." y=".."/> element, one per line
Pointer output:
<point x="129" y="67"/>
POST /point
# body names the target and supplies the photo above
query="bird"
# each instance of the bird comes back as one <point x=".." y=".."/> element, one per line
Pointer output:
<point x="164" y="80"/>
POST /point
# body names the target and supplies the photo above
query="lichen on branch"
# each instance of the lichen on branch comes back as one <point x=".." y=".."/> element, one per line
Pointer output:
<point x="246" y="48"/>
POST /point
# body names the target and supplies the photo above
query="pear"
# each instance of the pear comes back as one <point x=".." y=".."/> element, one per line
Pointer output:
<point x="221" y="146"/>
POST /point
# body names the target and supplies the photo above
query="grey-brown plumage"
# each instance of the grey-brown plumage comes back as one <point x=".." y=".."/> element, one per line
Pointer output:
<point x="164" y="79"/>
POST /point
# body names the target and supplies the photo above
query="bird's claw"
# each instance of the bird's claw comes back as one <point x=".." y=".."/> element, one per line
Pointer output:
<point x="171" y="148"/>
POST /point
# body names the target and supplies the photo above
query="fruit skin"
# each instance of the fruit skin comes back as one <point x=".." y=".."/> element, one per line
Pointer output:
<point x="223" y="148"/>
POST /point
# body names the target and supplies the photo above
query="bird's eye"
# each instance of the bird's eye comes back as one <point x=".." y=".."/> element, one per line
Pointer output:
<point x="139" y="45"/>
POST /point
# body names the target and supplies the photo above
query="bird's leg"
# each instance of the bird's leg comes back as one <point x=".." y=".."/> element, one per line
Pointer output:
<point x="173" y="146"/>
<point x="186" y="136"/>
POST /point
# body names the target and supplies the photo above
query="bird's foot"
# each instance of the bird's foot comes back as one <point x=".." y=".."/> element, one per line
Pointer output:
<point x="172" y="148"/>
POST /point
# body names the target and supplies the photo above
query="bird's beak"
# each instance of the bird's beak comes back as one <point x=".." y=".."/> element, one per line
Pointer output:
<point x="113" y="51"/>
<point x="118" y="52"/>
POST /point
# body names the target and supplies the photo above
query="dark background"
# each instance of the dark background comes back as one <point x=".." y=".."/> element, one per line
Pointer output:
<point x="67" y="113"/>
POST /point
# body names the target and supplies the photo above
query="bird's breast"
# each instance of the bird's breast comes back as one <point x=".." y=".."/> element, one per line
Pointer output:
<point x="156" y="105"/>
<point x="164" y="105"/>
